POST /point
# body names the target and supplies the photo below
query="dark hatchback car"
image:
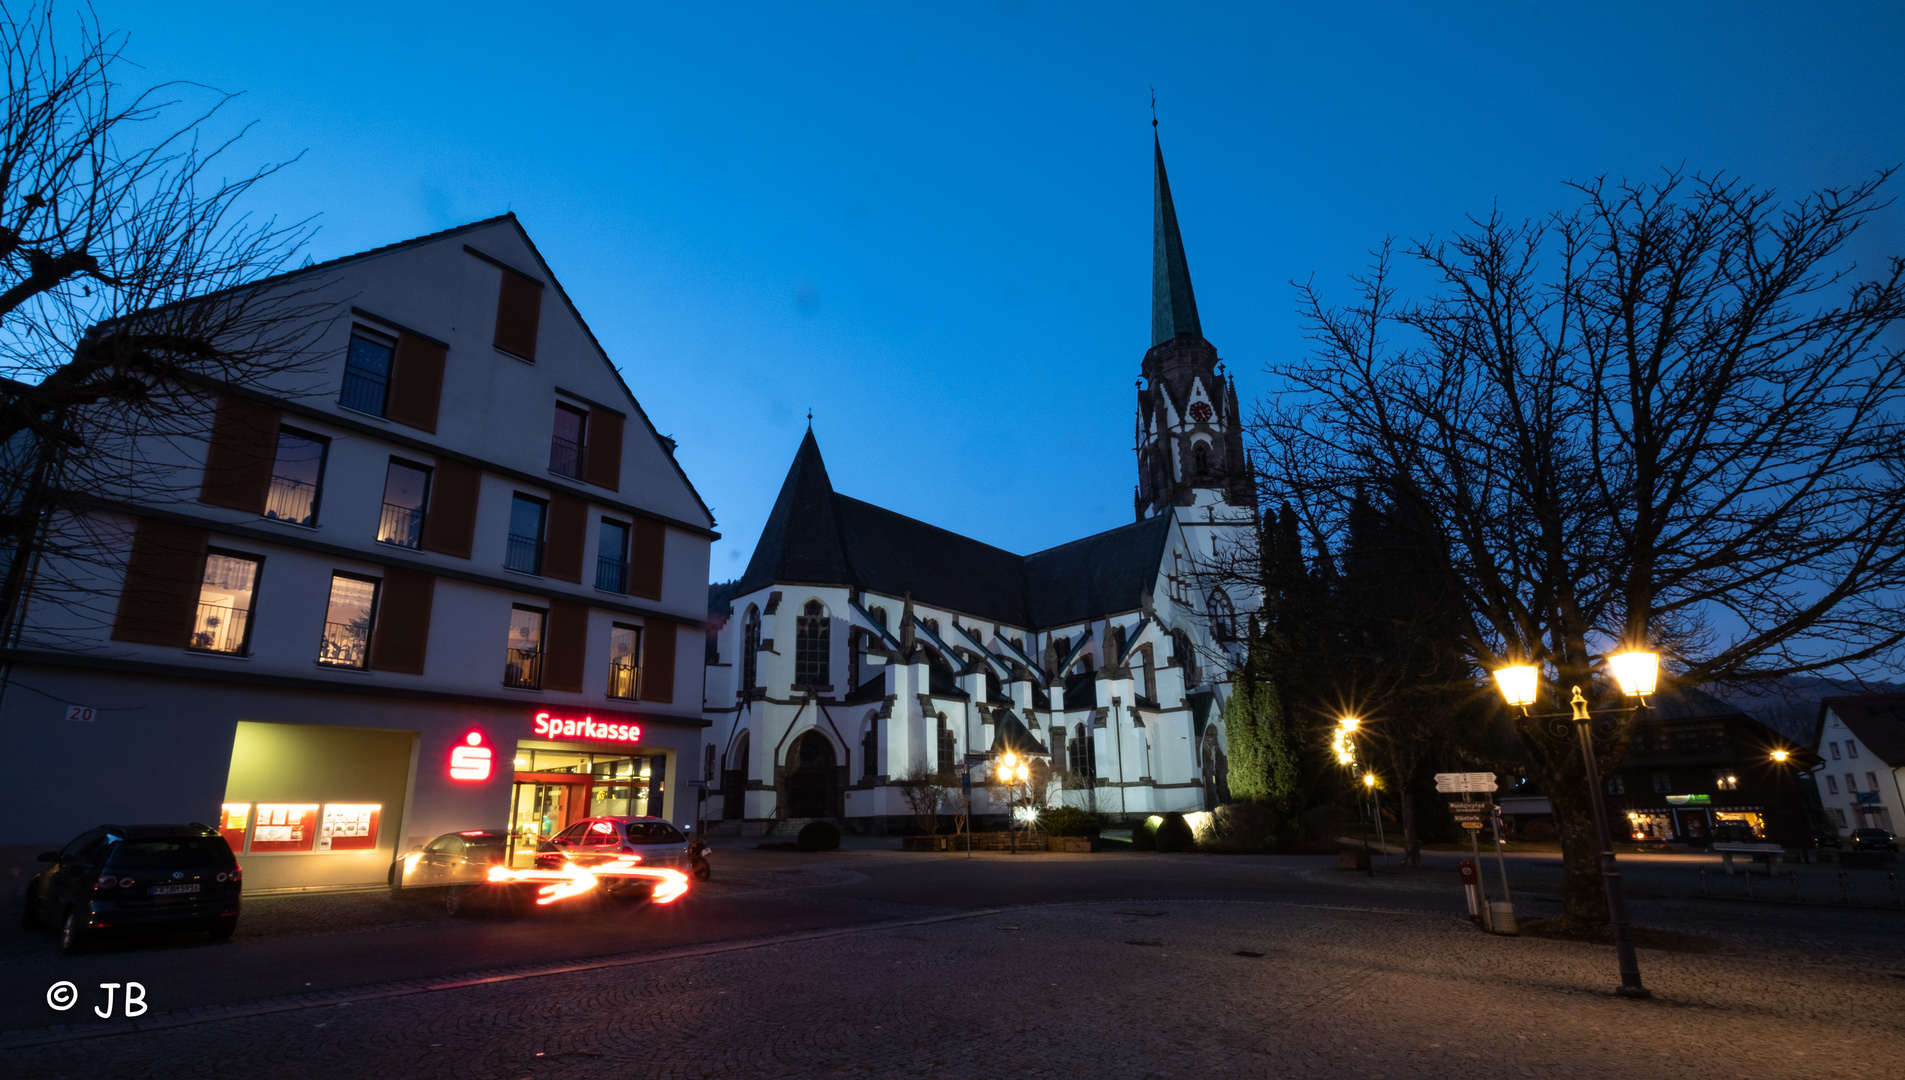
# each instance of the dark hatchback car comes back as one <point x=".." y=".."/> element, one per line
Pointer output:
<point x="455" y="866"/>
<point x="1873" y="840"/>
<point x="120" y="877"/>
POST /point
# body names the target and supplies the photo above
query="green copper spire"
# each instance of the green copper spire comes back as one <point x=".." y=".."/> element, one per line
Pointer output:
<point x="1173" y="308"/>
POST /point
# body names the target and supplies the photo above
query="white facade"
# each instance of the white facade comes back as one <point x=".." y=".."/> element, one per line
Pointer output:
<point x="168" y="719"/>
<point x="1857" y="787"/>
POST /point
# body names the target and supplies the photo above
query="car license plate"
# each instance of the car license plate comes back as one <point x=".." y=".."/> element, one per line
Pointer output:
<point x="172" y="890"/>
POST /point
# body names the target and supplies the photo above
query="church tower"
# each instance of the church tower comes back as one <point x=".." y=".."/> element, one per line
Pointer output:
<point x="1190" y="435"/>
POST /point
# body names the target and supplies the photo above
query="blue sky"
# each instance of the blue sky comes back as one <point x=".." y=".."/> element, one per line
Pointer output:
<point x="930" y="223"/>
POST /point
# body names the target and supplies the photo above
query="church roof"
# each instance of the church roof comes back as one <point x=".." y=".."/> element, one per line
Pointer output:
<point x="1173" y="306"/>
<point x="816" y="536"/>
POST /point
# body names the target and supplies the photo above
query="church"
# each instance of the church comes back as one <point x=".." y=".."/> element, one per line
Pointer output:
<point x="861" y="645"/>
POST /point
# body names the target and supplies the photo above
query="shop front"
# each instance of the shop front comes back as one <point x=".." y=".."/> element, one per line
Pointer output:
<point x="557" y="785"/>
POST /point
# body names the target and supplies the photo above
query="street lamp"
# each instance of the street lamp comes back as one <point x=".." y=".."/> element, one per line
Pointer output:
<point x="1010" y="769"/>
<point x="1345" y="747"/>
<point x="1638" y="673"/>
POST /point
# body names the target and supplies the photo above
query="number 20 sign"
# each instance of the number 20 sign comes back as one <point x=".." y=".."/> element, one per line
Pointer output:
<point x="81" y="713"/>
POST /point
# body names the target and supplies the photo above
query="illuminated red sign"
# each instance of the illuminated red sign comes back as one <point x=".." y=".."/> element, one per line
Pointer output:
<point x="472" y="760"/>
<point x="555" y="727"/>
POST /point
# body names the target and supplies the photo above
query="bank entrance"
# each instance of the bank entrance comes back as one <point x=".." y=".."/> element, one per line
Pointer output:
<point x="555" y="788"/>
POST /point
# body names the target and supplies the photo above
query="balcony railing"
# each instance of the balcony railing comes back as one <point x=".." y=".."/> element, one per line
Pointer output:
<point x="625" y="680"/>
<point x="220" y="629"/>
<point x="293" y="501"/>
<point x="611" y="574"/>
<point x="524" y="554"/>
<point x="344" y="644"/>
<point x="363" y="391"/>
<point x="523" y="669"/>
<point x="565" y="457"/>
<point x="401" y="526"/>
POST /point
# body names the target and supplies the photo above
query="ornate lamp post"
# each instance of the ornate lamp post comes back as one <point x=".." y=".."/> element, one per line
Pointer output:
<point x="1345" y="747"/>
<point x="1637" y="673"/>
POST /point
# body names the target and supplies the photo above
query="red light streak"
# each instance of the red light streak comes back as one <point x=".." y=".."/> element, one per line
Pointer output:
<point x="573" y="880"/>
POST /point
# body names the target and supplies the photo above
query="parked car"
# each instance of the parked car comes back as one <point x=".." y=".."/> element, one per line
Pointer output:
<point x="455" y="867"/>
<point x="1873" y="840"/>
<point x="593" y="841"/>
<point x="118" y="877"/>
<point x="1825" y="838"/>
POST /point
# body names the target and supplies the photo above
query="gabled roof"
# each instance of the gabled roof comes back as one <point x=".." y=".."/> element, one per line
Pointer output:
<point x="816" y="536"/>
<point x="1877" y="719"/>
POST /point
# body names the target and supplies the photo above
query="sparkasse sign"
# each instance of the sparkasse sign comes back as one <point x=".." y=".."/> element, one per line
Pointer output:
<point x="555" y="727"/>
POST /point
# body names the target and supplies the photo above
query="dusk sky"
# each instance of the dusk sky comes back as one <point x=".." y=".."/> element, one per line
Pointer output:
<point x="931" y="223"/>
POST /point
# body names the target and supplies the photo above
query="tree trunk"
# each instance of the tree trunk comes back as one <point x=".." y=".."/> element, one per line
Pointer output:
<point x="1411" y="843"/>
<point x="1583" y="898"/>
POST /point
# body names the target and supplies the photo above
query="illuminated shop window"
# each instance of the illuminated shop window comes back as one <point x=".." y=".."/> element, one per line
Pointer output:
<point x="223" y="622"/>
<point x="346" y="641"/>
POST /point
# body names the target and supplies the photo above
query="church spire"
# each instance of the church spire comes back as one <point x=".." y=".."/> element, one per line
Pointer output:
<point x="1173" y="307"/>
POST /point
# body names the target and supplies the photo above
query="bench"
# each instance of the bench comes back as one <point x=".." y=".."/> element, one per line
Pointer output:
<point x="1765" y="853"/>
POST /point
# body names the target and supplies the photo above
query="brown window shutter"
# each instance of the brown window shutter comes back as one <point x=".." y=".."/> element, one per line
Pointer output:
<point x="449" y="524"/>
<point x="163" y="575"/>
<point x="401" y="637"/>
<point x="238" y="461"/>
<point x="603" y="465"/>
<point x="568" y="522"/>
<point x="566" y="646"/>
<point x="658" y="661"/>
<point x="518" y="312"/>
<point x="646" y="539"/>
<point x="416" y="382"/>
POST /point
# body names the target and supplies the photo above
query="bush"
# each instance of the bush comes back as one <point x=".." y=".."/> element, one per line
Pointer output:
<point x="1324" y="822"/>
<point x="818" y="836"/>
<point x="1144" y="835"/>
<point x="1068" y="821"/>
<point x="1174" y="833"/>
<point x="1242" y="826"/>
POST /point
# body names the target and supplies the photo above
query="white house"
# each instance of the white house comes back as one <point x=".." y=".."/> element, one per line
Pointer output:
<point x="445" y="576"/>
<point x="861" y="645"/>
<point x="1861" y="748"/>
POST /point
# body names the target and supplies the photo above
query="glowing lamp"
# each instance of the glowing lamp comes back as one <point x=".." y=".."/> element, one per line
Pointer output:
<point x="1637" y="672"/>
<point x="1780" y="755"/>
<point x="1369" y="780"/>
<point x="1025" y="773"/>
<point x="472" y="760"/>
<point x="1518" y="683"/>
<point x="1348" y="723"/>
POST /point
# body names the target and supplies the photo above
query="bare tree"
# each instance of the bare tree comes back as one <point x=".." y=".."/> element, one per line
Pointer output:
<point x="924" y="790"/>
<point x="1668" y="418"/>
<point x="133" y="286"/>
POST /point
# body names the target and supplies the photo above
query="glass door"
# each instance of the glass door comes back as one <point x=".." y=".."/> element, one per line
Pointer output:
<point x="542" y="805"/>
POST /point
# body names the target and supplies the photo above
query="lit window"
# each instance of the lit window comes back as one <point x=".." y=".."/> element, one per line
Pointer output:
<point x="297" y="477"/>
<point x="565" y="446"/>
<point x="625" y="661"/>
<point x="611" y="557"/>
<point x="223" y="623"/>
<point x="1725" y="780"/>
<point x="523" y="665"/>
<point x="347" y="621"/>
<point x="367" y="372"/>
<point x="406" y="493"/>
<point x="525" y="535"/>
<point x="812" y="636"/>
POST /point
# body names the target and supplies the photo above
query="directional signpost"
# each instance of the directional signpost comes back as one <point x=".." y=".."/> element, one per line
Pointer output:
<point x="1469" y="813"/>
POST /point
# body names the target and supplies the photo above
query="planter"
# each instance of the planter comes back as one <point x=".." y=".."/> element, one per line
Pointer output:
<point x="1070" y="844"/>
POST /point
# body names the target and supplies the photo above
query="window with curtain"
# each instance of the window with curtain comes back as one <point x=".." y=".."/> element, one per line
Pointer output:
<point x="812" y="636"/>
<point x="625" y="661"/>
<point x="522" y="665"/>
<point x="297" y="477"/>
<point x="406" y="491"/>
<point x="226" y="592"/>
<point x="347" y="621"/>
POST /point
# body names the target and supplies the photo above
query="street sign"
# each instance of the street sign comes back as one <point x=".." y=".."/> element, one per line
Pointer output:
<point x="1464" y="781"/>
<point x="1476" y="825"/>
<point x="1467" y="806"/>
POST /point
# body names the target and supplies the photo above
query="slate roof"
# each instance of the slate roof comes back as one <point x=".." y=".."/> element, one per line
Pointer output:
<point x="816" y="536"/>
<point x="1173" y="306"/>
<point x="1877" y="719"/>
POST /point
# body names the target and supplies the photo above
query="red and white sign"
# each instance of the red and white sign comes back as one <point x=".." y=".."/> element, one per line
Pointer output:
<point x="555" y="727"/>
<point x="472" y="760"/>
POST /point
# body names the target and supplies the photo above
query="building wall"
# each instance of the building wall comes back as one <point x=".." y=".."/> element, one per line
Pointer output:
<point x="1844" y="755"/>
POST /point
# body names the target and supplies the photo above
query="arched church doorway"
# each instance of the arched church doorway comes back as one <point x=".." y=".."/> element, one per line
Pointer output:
<point x="812" y="784"/>
<point x="1216" y="770"/>
<point x="734" y="781"/>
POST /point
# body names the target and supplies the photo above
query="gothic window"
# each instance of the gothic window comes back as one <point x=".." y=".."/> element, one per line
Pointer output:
<point x="1223" y="615"/>
<point x="1079" y="760"/>
<point x="948" y="748"/>
<point x="707" y="767"/>
<point x="1200" y="459"/>
<point x="750" y="646"/>
<point x="812" y="635"/>
<point x="870" y="749"/>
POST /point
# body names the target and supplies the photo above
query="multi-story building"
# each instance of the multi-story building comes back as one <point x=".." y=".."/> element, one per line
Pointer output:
<point x="442" y="574"/>
<point x="862" y="646"/>
<point x="1861" y="751"/>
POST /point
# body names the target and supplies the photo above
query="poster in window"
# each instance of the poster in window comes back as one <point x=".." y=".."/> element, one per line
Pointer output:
<point x="233" y="817"/>
<point x="348" y="827"/>
<point x="284" y="827"/>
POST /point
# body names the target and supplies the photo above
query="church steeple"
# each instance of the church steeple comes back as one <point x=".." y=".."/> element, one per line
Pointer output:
<point x="1173" y="306"/>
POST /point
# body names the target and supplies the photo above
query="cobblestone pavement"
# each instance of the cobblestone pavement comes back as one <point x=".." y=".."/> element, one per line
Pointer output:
<point x="1164" y="989"/>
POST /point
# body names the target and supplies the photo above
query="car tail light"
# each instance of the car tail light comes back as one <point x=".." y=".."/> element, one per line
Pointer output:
<point x="238" y="872"/>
